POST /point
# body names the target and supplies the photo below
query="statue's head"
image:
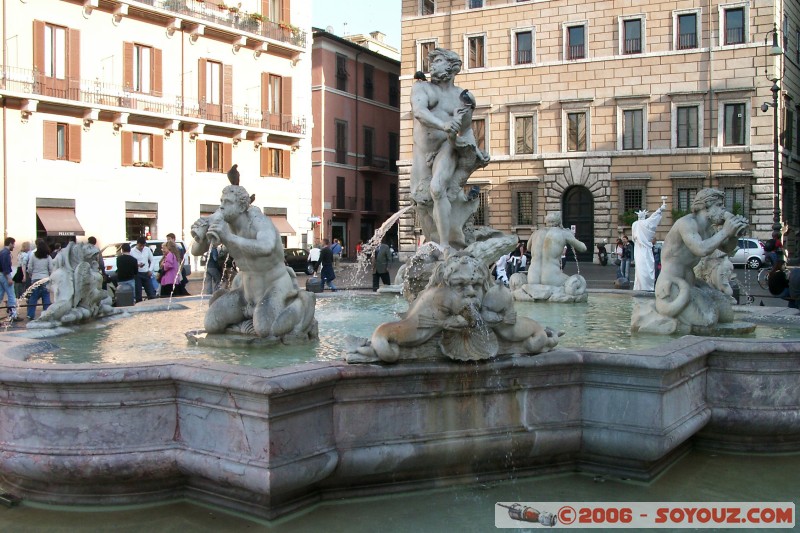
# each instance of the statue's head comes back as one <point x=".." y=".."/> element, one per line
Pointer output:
<point x="453" y="64"/>
<point x="465" y="275"/>
<point x="642" y="214"/>
<point x="237" y="199"/>
<point x="712" y="201"/>
<point x="553" y="220"/>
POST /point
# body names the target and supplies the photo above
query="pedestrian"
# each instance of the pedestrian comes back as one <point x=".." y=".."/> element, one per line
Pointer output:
<point x="794" y="288"/>
<point x="21" y="280"/>
<point x="627" y="255"/>
<point x="170" y="270"/>
<point x="213" y="275"/>
<point x="6" y="281"/>
<point x="127" y="268"/>
<point x="313" y="258"/>
<point x="618" y="258"/>
<point x="40" y="266"/>
<point x="381" y="259"/>
<point x="326" y="260"/>
<point x="55" y="249"/>
<point x="359" y="248"/>
<point x="656" y="258"/>
<point x="500" y="268"/>
<point x="145" y="262"/>
<point x="336" y="248"/>
<point x="185" y="268"/>
<point x="564" y="257"/>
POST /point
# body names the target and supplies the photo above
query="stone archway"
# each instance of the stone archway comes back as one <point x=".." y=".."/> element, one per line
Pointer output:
<point x="577" y="209"/>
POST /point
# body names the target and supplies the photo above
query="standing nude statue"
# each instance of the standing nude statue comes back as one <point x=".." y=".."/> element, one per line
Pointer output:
<point x="445" y="152"/>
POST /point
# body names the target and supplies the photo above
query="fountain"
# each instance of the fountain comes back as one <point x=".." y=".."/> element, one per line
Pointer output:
<point x="271" y="441"/>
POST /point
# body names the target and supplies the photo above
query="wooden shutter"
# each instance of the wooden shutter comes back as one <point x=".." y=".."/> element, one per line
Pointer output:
<point x="227" y="93"/>
<point x="38" y="46"/>
<point x="287" y="156"/>
<point x="286" y="11"/>
<point x="286" y="99"/>
<point x="50" y="143"/>
<point x="74" y="143"/>
<point x="264" y="154"/>
<point x="127" y="65"/>
<point x="156" y="74"/>
<point x="201" y="83"/>
<point x="127" y="148"/>
<point x="201" y="155"/>
<point x="265" y="7"/>
<point x="158" y="151"/>
<point x="264" y="100"/>
<point x="74" y="62"/>
<point x="227" y="156"/>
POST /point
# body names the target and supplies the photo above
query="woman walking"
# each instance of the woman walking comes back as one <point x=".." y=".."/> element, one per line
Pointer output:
<point x="40" y="266"/>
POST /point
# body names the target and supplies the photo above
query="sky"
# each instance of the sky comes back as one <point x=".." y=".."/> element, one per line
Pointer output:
<point x="348" y="17"/>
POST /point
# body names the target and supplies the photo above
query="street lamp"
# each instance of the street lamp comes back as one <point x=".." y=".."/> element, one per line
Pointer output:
<point x="774" y="50"/>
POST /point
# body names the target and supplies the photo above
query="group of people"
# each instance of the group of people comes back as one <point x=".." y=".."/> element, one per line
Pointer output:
<point x="32" y="267"/>
<point x="325" y="256"/>
<point x="136" y="266"/>
<point x="511" y="263"/>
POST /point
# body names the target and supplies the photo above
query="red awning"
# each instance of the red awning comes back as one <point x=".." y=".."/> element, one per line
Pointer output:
<point x="283" y="226"/>
<point x="59" y="222"/>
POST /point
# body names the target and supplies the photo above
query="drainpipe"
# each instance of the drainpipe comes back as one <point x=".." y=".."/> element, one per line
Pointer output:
<point x="183" y="139"/>
<point x="710" y="94"/>
<point x="5" y="135"/>
<point x="358" y="174"/>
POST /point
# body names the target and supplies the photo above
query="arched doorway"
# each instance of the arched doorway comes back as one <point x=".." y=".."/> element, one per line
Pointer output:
<point x="577" y="209"/>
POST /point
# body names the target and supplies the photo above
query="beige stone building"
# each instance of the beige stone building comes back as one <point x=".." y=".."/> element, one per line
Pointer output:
<point x="599" y="109"/>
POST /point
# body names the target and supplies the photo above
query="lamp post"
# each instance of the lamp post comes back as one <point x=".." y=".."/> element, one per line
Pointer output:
<point x="775" y="50"/>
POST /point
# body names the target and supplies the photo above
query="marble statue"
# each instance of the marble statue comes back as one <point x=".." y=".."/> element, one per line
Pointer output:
<point x="264" y="300"/>
<point x="445" y="152"/>
<point x="716" y="270"/>
<point x="642" y="232"/>
<point x="546" y="280"/>
<point x="472" y="318"/>
<point x="77" y="284"/>
<point x="683" y="303"/>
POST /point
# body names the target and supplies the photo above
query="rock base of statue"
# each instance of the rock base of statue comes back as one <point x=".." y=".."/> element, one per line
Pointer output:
<point x="573" y="291"/>
<point x="710" y="313"/>
<point x="236" y="338"/>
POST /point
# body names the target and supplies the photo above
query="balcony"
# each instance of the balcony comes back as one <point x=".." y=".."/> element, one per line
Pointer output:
<point x="25" y="84"/>
<point x="344" y="203"/>
<point x="374" y="206"/>
<point x="374" y="165"/>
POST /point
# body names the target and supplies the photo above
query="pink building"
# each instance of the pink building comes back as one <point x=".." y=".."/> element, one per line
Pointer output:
<point x="355" y="138"/>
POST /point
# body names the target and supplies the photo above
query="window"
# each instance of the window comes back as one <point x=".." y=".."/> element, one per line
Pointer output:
<point x="274" y="10"/>
<point x="61" y="141"/>
<point x="685" y="198"/>
<point x="142" y="148"/>
<point x="576" y="42"/>
<point x="576" y="132"/>
<point x="735" y="200"/>
<point x="341" y="142"/>
<point x="394" y="204"/>
<point x="341" y="72"/>
<point x="524" y="202"/>
<point x="687" y="31"/>
<point x="55" y="52"/>
<point x="734" y="26"/>
<point x="394" y="90"/>
<point x="632" y="129"/>
<point x="368" y="195"/>
<point x="524" y="135"/>
<point x="687" y="127"/>
<point x="369" y="146"/>
<point x="481" y="216"/>
<point x="423" y="61"/>
<point x="427" y="7"/>
<point x="369" y="82"/>
<point x="632" y="200"/>
<point x="475" y="52"/>
<point x="788" y="130"/>
<point x="213" y="156"/>
<point x="475" y="4"/>
<point x="479" y="131"/>
<point x="274" y="100"/>
<point x="339" y="201"/>
<point x="276" y="162"/>
<point x="394" y="151"/>
<point x="523" y="47"/>
<point x="734" y="125"/>
<point x="632" y="36"/>
<point x="142" y="61"/>
<point x="213" y="82"/>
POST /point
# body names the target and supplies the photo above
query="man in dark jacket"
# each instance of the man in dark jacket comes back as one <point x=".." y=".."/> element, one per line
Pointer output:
<point x="127" y="267"/>
<point x="380" y="266"/>
<point x="326" y="260"/>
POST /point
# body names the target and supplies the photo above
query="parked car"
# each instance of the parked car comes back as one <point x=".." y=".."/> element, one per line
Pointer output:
<point x="749" y="252"/>
<point x="111" y="252"/>
<point x="297" y="258"/>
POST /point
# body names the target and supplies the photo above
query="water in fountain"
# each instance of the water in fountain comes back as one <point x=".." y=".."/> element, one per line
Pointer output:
<point x="23" y="297"/>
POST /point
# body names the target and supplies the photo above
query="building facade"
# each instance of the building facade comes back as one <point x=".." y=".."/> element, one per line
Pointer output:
<point x="600" y="109"/>
<point x="356" y="137"/>
<point x="121" y="117"/>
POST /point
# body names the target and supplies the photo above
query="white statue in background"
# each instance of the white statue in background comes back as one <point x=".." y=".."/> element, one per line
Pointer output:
<point x="642" y="232"/>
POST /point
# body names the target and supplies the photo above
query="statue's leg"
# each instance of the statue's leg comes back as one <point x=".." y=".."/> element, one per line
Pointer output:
<point x="443" y="168"/>
<point x="226" y="310"/>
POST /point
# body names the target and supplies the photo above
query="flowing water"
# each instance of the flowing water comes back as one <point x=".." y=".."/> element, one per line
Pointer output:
<point x="600" y="323"/>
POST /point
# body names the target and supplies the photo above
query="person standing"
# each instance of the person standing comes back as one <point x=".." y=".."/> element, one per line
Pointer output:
<point x="6" y="281"/>
<point x="380" y="266"/>
<point x="500" y="268"/>
<point x="336" y="249"/>
<point x="326" y="260"/>
<point x="627" y="255"/>
<point x="185" y="267"/>
<point x="171" y="265"/>
<point x="21" y="279"/>
<point x="313" y="258"/>
<point x="145" y="261"/>
<point x="40" y="266"/>
<point x="127" y="268"/>
<point x="213" y="271"/>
